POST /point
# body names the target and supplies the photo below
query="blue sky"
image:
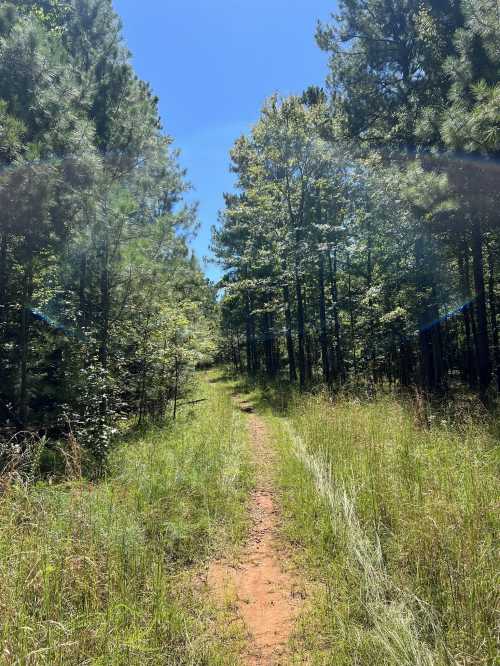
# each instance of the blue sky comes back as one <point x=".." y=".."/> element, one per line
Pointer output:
<point x="212" y="63"/>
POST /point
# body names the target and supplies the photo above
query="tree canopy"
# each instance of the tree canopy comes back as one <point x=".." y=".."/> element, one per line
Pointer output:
<point x="103" y="309"/>
<point x="362" y="245"/>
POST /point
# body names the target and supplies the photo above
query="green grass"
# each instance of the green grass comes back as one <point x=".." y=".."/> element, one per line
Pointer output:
<point x="397" y="525"/>
<point x="106" y="573"/>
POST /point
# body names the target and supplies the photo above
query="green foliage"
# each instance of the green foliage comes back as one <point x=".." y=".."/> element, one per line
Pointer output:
<point x="361" y="247"/>
<point x="98" y="571"/>
<point x="93" y="415"/>
<point x="103" y="311"/>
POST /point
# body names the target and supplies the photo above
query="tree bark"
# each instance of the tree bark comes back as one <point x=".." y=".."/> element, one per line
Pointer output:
<point x="289" y="336"/>
<point x="352" y="324"/>
<point x="3" y="278"/>
<point x="437" y="342"/>
<point x="309" y="358"/>
<point x="429" y="334"/>
<point x="275" y="347"/>
<point x="234" y="351"/>
<point x="253" y="340"/>
<point x="176" y="387"/>
<point x="322" y="318"/>
<point x="104" y="307"/>
<point x="82" y="296"/>
<point x="268" y="344"/>
<point x="239" y="366"/>
<point x="300" y="329"/>
<point x="405" y="364"/>
<point x="472" y="313"/>
<point x="248" y="332"/>
<point x="339" y="355"/>
<point x="25" y="331"/>
<point x="493" y="314"/>
<point x="463" y="266"/>
<point x="371" y="323"/>
<point x="484" y="359"/>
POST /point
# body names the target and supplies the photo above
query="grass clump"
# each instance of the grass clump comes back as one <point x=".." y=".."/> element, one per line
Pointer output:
<point x="103" y="573"/>
<point x="399" y="524"/>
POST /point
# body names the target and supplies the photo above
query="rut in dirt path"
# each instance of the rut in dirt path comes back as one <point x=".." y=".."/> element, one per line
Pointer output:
<point x="267" y="597"/>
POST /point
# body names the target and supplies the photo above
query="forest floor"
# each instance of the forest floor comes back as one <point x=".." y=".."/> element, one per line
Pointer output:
<point x="265" y="591"/>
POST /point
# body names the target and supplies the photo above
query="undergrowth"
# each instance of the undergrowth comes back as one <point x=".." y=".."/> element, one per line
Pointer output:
<point x="104" y="573"/>
<point x="397" y="523"/>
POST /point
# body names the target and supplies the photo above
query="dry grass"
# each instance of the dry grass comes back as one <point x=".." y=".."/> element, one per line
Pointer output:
<point x="399" y="524"/>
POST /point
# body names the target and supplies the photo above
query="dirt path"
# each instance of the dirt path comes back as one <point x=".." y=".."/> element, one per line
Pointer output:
<point x="267" y="597"/>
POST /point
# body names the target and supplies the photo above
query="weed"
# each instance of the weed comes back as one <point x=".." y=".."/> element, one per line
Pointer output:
<point x="99" y="573"/>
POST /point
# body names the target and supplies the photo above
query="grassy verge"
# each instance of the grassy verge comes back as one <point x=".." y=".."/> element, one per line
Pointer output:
<point x="102" y="574"/>
<point x="397" y="524"/>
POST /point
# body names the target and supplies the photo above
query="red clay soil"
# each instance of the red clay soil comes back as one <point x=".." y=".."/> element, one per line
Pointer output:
<point x="267" y="597"/>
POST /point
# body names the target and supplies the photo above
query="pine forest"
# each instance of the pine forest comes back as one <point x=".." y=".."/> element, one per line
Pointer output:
<point x="270" y="436"/>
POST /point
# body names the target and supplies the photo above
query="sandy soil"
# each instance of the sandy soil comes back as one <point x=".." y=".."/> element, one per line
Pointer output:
<point x="267" y="596"/>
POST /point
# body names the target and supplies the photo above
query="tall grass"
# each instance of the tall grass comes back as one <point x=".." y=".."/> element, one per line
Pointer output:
<point x="400" y="525"/>
<point x="100" y="574"/>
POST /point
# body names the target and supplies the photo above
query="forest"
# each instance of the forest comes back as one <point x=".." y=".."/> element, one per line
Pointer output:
<point x="104" y="310"/>
<point x="362" y="245"/>
<point x="295" y="462"/>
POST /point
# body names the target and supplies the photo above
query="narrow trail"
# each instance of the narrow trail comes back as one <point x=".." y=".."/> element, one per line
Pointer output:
<point x="267" y="596"/>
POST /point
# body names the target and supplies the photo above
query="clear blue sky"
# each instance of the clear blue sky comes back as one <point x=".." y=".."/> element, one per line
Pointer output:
<point x="212" y="63"/>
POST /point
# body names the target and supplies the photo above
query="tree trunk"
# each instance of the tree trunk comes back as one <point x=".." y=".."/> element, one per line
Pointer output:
<point x="339" y="356"/>
<point x="371" y="323"/>
<point x="248" y="332"/>
<point x="429" y="334"/>
<point x="437" y="342"/>
<point x="268" y="344"/>
<point x="484" y="360"/>
<point x="238" y="352"/>
<point x="253" y="341"/>
<point x="176" y="387"/>
<point x="82" y="297"/>
<point x="405" y="362"/>
<point x="493" y="314"/>
<point x="472" y="311"/>
<point x="234" y="352"/>
<point x="162" y="399"/>
<point x="322" y="318"/>
<point x="144" y="370"/>
<point x="309" y="358"/>
<point x="352" y="323"/>
<point x="104" y="307"/>
<point x="142" y="390"/>
<point x="463" y="266"/>
<point x="3" y="308"/>
<point x="3" y="278"/>
<point x="424" y="340"/>
<point x="300" y="329"/>
<point x="275" y="347"/>
<point x="25" y="331"/>
<point x="289" y="336"/>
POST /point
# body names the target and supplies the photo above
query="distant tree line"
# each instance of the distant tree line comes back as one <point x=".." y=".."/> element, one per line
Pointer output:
<point x="362" y="244"/>
<point x="103" y="310"/>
